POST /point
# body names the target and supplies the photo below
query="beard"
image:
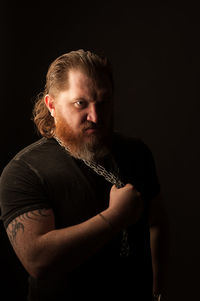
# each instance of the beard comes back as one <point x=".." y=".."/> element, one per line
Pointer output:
<point x="90" y="147"/>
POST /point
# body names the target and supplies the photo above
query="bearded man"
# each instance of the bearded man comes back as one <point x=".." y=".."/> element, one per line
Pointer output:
<point x="82" y="206"/>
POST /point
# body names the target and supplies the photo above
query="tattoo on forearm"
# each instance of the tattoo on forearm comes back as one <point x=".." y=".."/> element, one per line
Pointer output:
<point x="13" y="228"/>
<point x="17" y="224"/>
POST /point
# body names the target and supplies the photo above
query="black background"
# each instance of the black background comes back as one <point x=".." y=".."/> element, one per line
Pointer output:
<point x="154" y="49"/>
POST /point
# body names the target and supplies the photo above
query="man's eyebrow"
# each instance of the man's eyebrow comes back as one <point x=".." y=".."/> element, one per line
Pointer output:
<point x="74" y="99"/>
<point x="103" y="95"/>
<point x="106" y="93"/>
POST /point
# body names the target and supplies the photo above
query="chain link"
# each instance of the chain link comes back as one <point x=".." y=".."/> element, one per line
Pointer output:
<point x="109" y="176"/>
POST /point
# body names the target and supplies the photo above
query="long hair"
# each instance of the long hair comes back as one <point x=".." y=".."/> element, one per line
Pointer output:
<point x="93" y="65"/>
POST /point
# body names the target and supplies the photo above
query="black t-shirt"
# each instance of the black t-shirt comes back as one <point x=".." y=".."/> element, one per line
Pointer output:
<point x="44" y="175"/>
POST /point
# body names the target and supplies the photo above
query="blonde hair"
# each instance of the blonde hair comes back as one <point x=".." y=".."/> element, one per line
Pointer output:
<point x="93" y="65"/>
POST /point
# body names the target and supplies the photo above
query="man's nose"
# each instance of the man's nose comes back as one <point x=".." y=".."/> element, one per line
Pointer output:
<point x="92" y="113"/>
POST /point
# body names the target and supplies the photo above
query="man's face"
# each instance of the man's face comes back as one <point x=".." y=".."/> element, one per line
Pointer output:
<point x="83" y="114"/>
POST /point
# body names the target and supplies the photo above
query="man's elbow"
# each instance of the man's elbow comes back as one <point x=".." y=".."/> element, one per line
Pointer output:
<point x="36" y="268"/>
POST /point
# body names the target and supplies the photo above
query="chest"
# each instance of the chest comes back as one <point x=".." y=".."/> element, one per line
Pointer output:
<point x="77" y="193"/>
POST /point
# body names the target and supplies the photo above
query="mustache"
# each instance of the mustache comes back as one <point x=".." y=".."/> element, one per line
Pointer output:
<point x="91" y="125"/>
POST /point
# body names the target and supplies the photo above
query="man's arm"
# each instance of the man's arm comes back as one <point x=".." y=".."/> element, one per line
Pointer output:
<point x="159" y="239"/>
<point x="42" y="248"/>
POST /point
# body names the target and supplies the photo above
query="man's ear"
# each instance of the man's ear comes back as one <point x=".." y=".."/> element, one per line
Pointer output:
<point x="49" y="101"/>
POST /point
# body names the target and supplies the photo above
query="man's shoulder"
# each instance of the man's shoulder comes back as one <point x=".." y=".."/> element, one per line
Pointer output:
<point x="130" y="147"/>
<point x="35" y="152"/>
<point x="40" y="145"/>
<point x="121" y="140"/>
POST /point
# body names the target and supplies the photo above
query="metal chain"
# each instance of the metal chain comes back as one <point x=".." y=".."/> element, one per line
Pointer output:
<point x="109" y="176"/>
<point x="113" y="179"/>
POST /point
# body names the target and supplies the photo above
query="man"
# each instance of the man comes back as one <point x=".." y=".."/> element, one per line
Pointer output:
<point x="78" y="204"/>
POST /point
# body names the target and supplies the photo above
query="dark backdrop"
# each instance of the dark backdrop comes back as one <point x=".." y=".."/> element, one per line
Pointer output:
<point x="154" y="48"/>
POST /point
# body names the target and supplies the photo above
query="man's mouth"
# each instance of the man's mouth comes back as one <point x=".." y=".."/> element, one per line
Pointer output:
<point x="92" y="128"/>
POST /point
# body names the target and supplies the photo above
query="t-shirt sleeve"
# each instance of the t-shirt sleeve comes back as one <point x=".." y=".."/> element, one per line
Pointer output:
<point x="21" y="190"/>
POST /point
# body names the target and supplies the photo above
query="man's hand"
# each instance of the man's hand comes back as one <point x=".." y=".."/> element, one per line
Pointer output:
<point x="126" y="204"/>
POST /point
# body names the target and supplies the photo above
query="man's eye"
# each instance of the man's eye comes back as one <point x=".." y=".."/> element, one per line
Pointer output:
<point x="80" y="104"/>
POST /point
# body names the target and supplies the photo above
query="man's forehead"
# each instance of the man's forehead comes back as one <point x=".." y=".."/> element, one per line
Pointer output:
<point x="79" y="79"/>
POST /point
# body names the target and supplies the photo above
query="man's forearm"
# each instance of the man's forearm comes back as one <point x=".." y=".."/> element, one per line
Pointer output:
<point x="159" y="238"/>
<point x="69" y="247"/>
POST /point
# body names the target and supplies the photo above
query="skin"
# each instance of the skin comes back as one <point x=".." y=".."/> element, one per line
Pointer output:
<point x="41" y="247"/>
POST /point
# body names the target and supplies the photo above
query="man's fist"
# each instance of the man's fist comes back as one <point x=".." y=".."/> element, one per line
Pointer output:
<point x="126" y="204"/>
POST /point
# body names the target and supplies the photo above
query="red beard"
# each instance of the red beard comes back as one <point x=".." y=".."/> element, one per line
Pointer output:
<point x="91" y="147"/>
